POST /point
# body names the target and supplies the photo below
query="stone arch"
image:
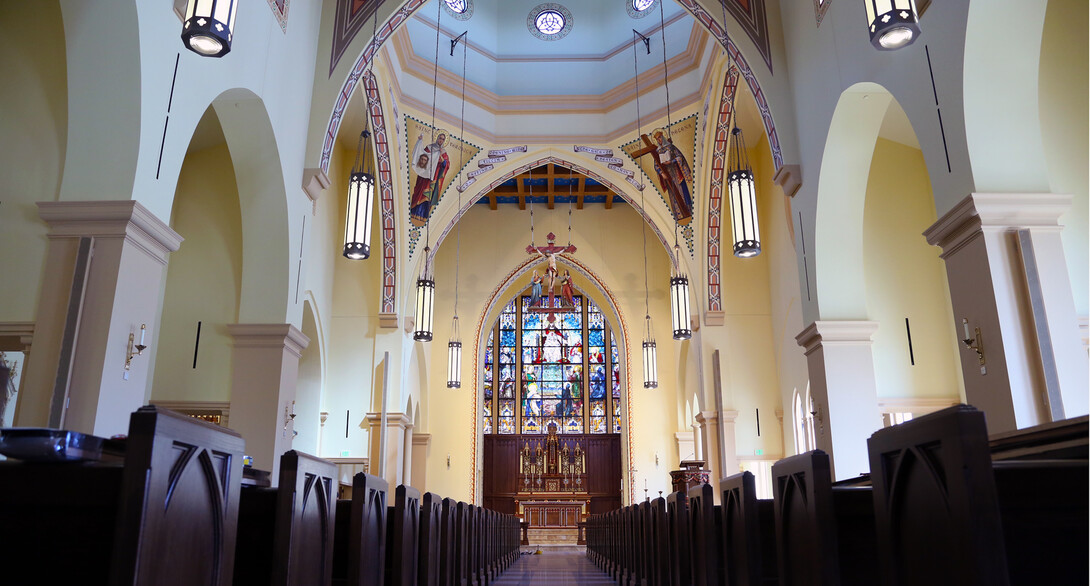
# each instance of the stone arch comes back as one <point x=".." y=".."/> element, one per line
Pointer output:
<point x="263" y="200"/>
<point x="842" y="191"/>
<point x="503" y="291"/>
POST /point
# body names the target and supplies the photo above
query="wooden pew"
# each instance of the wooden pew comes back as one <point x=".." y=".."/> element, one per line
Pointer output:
<point x="677" y="510"/>
<point x="431" y="519"/>
<point x="359" y="552"/>
<point x="285" y="533"/>
<point x="448" y="538"/>
<point x="824" y="536"/>
<point x="661" y="546"/>
<point x="403" y="537"/>
<point x="705" y="531"/>
<point x="167" y="515"/>
<point x="462" y="547"/>
<point x="749" y="534"/>
<point x="647" y="543"/>
<point x="947" y="514"/>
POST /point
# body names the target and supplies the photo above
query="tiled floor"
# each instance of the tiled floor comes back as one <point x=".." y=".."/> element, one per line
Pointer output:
<point x="555" y="566"/>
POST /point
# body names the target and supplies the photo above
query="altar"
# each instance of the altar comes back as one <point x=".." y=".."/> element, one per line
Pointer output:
<point x="552" y="482"/>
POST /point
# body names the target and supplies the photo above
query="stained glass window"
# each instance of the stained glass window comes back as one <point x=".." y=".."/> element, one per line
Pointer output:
<point x="549" y="22"/>
<point x="458" y="6"/>
<point x="562" y="362"/>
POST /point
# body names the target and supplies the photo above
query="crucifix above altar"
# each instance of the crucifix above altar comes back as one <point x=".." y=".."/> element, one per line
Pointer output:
<point x="546" y="302"/>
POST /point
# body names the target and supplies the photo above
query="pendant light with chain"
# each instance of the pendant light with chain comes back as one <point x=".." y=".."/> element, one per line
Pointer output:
<point x="361" y="184"/>
<point x="741" y="186"/>
<point x="679" y="282"/>
<point x="650" y="352"/>
<point x="454" y="346"/>
<point x="425" y="285"/>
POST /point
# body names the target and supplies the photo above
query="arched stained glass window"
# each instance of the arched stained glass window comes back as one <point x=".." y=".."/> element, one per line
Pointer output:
<point x="567" y="370"/>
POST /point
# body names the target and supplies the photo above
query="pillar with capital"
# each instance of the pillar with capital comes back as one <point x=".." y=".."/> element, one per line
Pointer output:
<point x="390" y="466"/>
<point x="839" y="359"/>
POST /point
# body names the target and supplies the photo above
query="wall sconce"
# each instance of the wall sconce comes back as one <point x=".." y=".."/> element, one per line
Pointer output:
<point x="448" y="461"/>
<point x="974" y="343"/>
<point x="656" y="460"/>
<point x="139" y="348"/>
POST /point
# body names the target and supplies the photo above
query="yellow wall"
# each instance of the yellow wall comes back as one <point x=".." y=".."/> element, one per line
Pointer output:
<point x="33" y="130"/>
<point x="204" y="277"/>
<point x="906" y="278"/>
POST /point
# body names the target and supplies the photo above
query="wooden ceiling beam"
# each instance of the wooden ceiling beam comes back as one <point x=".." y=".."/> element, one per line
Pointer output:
<point x="492" y="204"/>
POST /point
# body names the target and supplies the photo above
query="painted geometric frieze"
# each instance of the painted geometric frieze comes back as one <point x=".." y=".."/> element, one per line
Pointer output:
<point x="715" y="27"/>
<point x="280" y="11"/>
<point x="715" y="191"/>
<point x="820" y="8"/>
<point x="665" y="158"/>
<point x="386" y="194"/>
<point x="752" y="15"/>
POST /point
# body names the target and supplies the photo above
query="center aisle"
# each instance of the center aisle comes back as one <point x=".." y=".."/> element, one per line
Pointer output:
<point x="556" y="566"/>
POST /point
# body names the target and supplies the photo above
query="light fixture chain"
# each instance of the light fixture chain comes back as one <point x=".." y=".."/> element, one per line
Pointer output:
<point x="666" y="74"/>
<point x="643" y="205"/>
<point x="462" y="150"/>
<point x="570" y="197"/>
<point x="435" y="72"/>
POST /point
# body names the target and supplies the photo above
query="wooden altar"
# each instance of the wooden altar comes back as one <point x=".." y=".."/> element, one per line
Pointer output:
<point x="552" y="482"/>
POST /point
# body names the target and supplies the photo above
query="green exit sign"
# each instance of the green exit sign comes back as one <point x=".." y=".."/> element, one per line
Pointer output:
<point x="758" y="452"/>
<point x="344" y="453"/>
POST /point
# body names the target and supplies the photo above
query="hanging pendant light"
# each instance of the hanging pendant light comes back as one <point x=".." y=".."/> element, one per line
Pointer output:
<point x="454" y="357"/>
<point x="743" y="199"/>
<point x="361" y="197"/>
<point x="425" y="301"/>
<point x="892" y="23"/>
<point x="679" y="300"/>
<point x="208" y="25"/>
<point x="650" y="357"/>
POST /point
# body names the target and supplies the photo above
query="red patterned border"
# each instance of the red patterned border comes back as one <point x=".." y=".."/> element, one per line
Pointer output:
<point x="477" y="340"/>
<point x="715" y="193"/>
<point x="716" y="29"/>
<point x="386" y="195"/>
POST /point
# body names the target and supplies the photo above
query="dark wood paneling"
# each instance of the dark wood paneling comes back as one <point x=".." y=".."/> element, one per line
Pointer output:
<point x="501" y="462"/>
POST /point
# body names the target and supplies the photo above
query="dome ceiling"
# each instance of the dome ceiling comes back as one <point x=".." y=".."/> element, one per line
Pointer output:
<point x="592" y="57"/>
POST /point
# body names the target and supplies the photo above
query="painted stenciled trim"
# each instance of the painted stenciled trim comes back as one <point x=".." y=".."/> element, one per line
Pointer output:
<point x="716" y="30"/>
<point x="386" y="195"/>
<point x="820" y="8"/>
<point x="715" y="192"/>
<point x="625" y="346"/>
<point x="567" y="164"/>
<point x="487" y="164"/>
<point x="280" y="11"/>
<point x="402" y="15"/>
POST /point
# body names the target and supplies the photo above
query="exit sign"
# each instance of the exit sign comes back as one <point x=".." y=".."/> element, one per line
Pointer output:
<point x="344" y="453"/>
<point x="758" y="452"/>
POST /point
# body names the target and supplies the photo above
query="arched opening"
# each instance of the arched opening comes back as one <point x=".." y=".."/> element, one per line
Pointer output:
<point x="204" y="276"/>
<point x="308" y="390"/>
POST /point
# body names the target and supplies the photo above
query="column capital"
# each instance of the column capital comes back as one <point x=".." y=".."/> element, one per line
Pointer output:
<point x="421" y="439"/>
<point x="401" y="420"/>
<point x="996" y="211"/>
<point x="285" y="336"/>
<point x="705" y="417"/>
<point x="23" y="330"/>
<point x="111" y="219"/>
<point x="836" y="333"/>
<point x="729" y="416"/>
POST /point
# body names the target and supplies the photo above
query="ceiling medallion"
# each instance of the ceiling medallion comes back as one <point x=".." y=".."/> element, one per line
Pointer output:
<point x="549" y="21"/>
<point x="458" y="9"/>
<point x="639" y="8"/>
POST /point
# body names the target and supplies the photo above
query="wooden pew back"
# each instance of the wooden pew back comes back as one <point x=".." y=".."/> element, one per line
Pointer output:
<point x="403" y="537"/>
<point x="749" y="533"/>
<point x="677" y="509"/>
<point x="705" y="529"/>
<point x="360" y="543"/>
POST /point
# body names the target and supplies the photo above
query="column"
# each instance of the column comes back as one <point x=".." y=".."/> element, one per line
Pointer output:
<point x="698" y="443"/>
<point x="396" y="426"/>
<point x="264" y="368"/>
<point x="87" y="310"/>
<point x="709" y="432"/>
<point x="421" y="442"/>
<point x="841" y="366"/>
<point x="1008" y="277"/>
<point x="730" y="443"/>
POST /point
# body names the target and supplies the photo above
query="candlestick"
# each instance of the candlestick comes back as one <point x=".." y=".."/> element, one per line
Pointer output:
<point x="144" y="330"/>
<point x="965" y="326"/>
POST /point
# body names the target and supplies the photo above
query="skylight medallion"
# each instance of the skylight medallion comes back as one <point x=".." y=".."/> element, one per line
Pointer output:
<point x="549" y="21"/>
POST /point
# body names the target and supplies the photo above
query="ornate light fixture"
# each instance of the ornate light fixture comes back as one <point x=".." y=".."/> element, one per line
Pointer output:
<point x="743" y="199"/>
<point x="679" y="300"/>
<point x="425" y="301"/>
<point x="454" y="357"/>
<point x="208" y="25"/>
<point x="361" y="191"/>
<point x="361" y="197"/>
<point x="892" y="23"/>
<point x="650" y="357"/>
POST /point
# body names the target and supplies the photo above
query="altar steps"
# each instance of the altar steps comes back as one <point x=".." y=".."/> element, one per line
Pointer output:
<point x="566" y="536"/>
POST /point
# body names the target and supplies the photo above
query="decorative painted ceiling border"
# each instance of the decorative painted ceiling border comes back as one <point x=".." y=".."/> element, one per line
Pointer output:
<point x="386" y="195"/>
<point x="280" y="11"/>
<point x="544" y="161"/>
<point x="739" y="60"/>
<point x="715" y="193"/>
<point x="599" y="284"/>
<point x="753" y="18"/>
<point x="347" y="22"/>
<point x="402" y="14"/>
